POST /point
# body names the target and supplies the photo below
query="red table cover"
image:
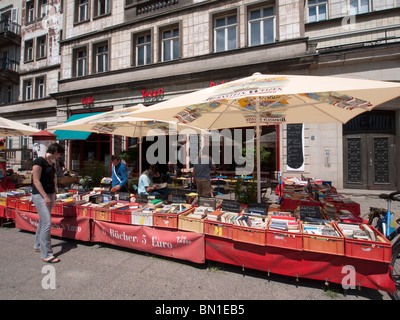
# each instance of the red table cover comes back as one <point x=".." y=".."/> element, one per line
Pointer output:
<point x="302" y="264"/>
<point x="77" y="228"/>
<point x="171" y="243"/>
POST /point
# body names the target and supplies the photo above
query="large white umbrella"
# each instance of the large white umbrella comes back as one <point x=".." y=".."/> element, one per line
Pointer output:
<point x="274" y="99"/>
<point x="121" y="122"/>
<point x="10" y="128"/>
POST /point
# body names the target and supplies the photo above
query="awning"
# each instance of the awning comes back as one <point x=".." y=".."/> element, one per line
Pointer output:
<point x="75" y="135"/>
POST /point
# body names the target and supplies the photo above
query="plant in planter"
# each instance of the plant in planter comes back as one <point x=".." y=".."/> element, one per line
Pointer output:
<point x="246" y="194"/>
<point x="129" y="155"/>
<point x="93" y="173"/>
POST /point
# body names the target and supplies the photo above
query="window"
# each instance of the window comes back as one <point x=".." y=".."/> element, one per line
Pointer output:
<point x="9" y="143"/>
<point x="317" y="10"/>
<point x="40" y="88"/>
<point x="9" y="94"/>
<point x="41" y="125"/>
<point x="82" y="13"/>
<point x="101" y="58"/>
<point x="41" y="50"/>
<point x="28" y="51"/>
<point x="24" y="140"/>
<point x="359" y="6"/>
<point x="143" y="50"/>
<point x="80" y="62"/>
<point x="225" y="33"/>
<point x="30" y="11"/>
<point x="261" y="26"/>
<point x="170" y="44"/>
<point x="42" y="9"/>
<point x="28" y="90"/>
<point x="101" y="7"/>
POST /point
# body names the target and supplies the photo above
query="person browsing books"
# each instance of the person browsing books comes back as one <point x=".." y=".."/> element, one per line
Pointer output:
<point x="202" y="174"/>
<point x="146" y="185"/>
<point x="119" y="176"/>
<point x="43" y="197"/>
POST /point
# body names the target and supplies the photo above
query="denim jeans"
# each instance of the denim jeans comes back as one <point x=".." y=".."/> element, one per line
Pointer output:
<point x="42" y="237"/>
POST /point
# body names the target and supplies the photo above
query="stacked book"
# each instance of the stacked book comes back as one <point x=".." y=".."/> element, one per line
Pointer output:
<point x="319" y="227"/>
<point x="155" y="203"/>
<point x="200" y="212"/>
<point x="360" y="232"/>
<point x="284" y="223"/>
<point x="254" y="222"/>
<point x="214" y="216"/>
<point x="174" y="208"/>
<point x="330" y="211"/>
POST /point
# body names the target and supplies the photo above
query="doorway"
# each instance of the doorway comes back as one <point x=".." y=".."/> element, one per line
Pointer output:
<point x="369" y="152"/>
<point x="369" y="162"/>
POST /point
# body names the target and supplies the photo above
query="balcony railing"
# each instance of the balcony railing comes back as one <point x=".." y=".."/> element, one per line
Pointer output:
<point x="9" y="26"/>
<point x="153" y="6"/>
<point x="9" y="65"/>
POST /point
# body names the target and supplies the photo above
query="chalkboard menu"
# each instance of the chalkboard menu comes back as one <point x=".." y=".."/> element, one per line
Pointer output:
<point x="295" y="156"/>
<point x="207" y="202"/>
<point x="178" y="198"/>
<point x="124" y="196"/>
<point x="310" y="211"/>
<point x="230" y="206"/>
<point x="257" y="209"/>
<point x="141" y="198"/>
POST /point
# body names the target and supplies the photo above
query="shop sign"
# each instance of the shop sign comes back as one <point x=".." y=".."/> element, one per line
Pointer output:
<point x="153" y="95"/>
<point x="87" y="102"/>
<point x="213" y="84"/>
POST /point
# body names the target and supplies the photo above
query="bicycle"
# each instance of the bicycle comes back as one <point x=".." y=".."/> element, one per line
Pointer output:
<point x="380" y="219"/>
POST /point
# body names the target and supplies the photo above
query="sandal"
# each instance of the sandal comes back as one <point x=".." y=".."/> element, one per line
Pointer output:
<point x="51" y="260"/>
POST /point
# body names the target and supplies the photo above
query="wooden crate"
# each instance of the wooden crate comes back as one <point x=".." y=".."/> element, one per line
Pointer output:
<point x="189" y="223"/>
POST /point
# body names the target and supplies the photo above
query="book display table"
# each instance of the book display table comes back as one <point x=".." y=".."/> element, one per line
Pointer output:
<point x="219" y="236"/>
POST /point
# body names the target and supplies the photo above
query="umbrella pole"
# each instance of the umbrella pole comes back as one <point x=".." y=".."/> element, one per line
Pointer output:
<point x="258" y="151"/>
<point x="140" y="155"/>
<point x="140" y="138"/>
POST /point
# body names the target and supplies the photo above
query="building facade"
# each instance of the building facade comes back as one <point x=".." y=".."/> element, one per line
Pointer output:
<point x="112" y="54"/>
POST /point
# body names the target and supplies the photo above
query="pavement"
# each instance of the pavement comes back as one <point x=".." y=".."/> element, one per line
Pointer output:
<point x="96" y="271"/>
